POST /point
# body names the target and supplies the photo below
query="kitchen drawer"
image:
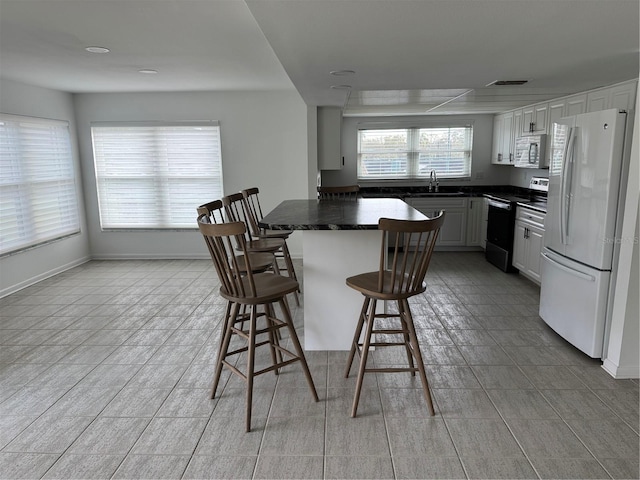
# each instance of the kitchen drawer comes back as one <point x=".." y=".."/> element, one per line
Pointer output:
<point x="530" y="216"/>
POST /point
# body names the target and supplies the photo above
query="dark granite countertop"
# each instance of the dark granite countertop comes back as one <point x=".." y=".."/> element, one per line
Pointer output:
<point x="538" y="206"/>
<point x="360" y="214"/>
<point x="524" y="197"/>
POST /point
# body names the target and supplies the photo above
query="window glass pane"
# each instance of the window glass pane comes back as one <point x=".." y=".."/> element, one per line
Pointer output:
<point x="382" y="165"/>
<point x="155" y="176"/>
<point x="38" y="201"/>
<point x="391" y="153"/>
<point x="380" y="141"/>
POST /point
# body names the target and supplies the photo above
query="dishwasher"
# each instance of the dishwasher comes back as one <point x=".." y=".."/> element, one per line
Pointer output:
<point x="500" y="226"/>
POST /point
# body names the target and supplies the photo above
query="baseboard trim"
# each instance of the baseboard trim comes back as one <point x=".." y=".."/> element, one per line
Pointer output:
<point x="43" y="276"/>
<point x="150" y="257"/>
<point x="620" y="372"/>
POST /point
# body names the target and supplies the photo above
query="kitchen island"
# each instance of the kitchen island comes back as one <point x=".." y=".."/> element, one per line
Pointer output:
<point x="340" y="238"/>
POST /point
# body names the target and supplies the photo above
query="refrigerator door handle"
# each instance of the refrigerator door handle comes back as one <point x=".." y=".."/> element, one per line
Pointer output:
<point x="571" y="271"/>
<point x="565" y="187"/>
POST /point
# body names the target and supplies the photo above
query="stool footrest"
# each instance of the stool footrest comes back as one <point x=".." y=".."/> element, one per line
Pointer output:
<point x="391" y="369"/>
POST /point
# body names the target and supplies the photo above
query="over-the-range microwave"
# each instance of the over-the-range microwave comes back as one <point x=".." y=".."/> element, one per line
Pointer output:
<point x="530" y="151"/>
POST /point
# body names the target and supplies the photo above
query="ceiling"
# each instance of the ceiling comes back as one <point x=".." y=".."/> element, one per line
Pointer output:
<point x="409" y="56"/>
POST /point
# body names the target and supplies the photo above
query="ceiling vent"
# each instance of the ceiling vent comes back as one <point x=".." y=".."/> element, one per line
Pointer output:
<point x="507" y="82"/>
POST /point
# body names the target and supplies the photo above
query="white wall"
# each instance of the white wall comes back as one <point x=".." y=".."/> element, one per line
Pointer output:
<point x="264" y="144"/>
<point x="27" y="267"/>
<point x="483" y="173"/>
<point x="623" y="350"/>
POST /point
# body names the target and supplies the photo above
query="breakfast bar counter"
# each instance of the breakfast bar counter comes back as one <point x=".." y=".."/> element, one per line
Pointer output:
<point x="340" y="238"/>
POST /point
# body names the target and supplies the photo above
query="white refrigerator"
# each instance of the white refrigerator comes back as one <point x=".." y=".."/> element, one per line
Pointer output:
<point x="582" y="203"/>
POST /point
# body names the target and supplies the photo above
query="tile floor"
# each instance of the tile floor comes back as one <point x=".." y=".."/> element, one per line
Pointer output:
<point x="105" y="372"/>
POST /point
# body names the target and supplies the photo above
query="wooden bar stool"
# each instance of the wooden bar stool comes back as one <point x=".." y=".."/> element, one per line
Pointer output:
<point x="345" y="192"/>
<point x="252" y="290"/>
<point x="400" y="276"/>
<point x="237" y="211"/>
<point x="254" y="214"/>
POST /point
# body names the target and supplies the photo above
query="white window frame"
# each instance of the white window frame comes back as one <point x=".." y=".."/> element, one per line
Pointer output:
<point x="413" y="152"/>
<point x="38" y="192"/>
<point x="154" y="175"/>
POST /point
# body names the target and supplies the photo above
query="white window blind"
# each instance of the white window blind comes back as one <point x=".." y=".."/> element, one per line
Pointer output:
<point x="155" y="176"/>
<point x="38" y="201"/>
<point x="409" y="153"/>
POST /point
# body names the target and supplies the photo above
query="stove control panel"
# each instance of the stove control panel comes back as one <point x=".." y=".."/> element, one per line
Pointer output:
<point x="540" y="184"/>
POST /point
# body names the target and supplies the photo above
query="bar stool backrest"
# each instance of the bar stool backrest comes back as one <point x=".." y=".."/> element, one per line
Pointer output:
<point x="220" y="239"/>
<point x="404" y="267"/>
<point x="345" y="192"/>
<point x="212" y="212"/>
<point x="253" y="209"/>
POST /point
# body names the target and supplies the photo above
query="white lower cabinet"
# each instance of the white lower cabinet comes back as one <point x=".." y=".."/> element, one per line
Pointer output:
<point x="454" y="231"/>
<point x="475" y="222"/>
<point x="527" y="242"/>
<point x="485" y="223"/>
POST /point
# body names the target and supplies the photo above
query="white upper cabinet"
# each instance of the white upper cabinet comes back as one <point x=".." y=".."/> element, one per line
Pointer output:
<point x="539" y="118"/>
<point x="576" y="104"/>
<point x="497" y="156"/>
<point x="508" y="139"/>
<point x="329" y="138"/>
<point x="621" y="96"/>
<point x="503" y="139"/>
<point x="557" y="110"/>
<point x="597" y="100"/>
<point x="534" y="119"/>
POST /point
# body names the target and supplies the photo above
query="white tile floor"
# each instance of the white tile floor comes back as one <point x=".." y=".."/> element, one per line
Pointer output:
<point x="105" y="372"/>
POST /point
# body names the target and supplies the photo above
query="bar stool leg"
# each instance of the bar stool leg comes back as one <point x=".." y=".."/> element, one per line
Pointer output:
<point x="230" y="318"/>
<point x="418" y="355"/>
<point x="364" y="355"/>
<point x="356" y="336"/>
<point x="407" y="341"/>
<point x="251" y="363"/>
<point x="286" y="313"/>
<point x="276" y="355"/>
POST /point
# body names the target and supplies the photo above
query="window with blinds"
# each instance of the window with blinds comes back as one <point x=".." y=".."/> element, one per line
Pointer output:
<point x="154" y="176"/>
<point x="410" y="153"/>
<point x="38" y="200"/>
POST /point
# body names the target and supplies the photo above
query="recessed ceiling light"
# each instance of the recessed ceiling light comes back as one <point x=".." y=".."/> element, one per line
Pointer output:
<point x="341" y="87"/>
<point x="97" y="49"/>
<point x="148" y="71"/>
<point x="342" y="73"/>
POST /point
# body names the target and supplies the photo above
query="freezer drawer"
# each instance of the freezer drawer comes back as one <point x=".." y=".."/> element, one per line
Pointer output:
<point x="573" y="301"/>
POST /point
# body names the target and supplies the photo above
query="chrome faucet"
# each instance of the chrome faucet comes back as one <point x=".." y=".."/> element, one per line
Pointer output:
<point x="433" y="177"/>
